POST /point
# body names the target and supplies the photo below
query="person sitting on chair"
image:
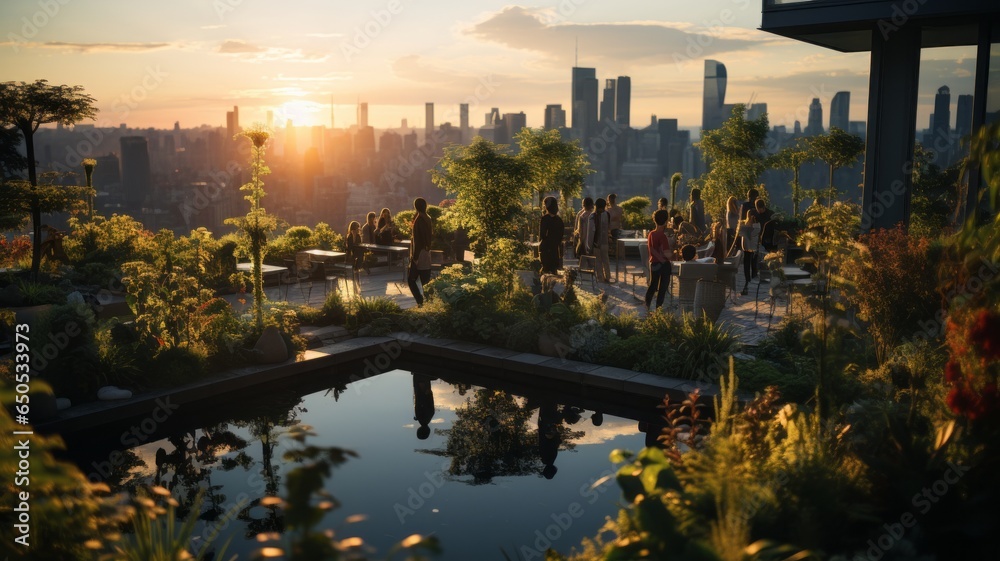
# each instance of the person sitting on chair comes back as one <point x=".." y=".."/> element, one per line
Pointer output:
<point x="689" y="253"/>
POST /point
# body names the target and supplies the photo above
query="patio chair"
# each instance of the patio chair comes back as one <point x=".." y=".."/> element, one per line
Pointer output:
<point x="705" y="250"/>
<point x="642" y="270"/>
<point x="333" y="272"/>
<point x="729" y="270"/>
<point x="298" y="276"/>
<point x="588" y="266"/>
<point x="690" y="274"/>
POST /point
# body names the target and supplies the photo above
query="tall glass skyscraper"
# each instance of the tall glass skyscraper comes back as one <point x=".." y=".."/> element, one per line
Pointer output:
<point x="840" y="108"/>
<point x="584" y="101"/>
<point x="714" y="96"/>
<point x="815" y="124"/>
<point x="941" y="125"/>
<point x="623" y="100"/>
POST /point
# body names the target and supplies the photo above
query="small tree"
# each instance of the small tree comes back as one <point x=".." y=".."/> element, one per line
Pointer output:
<point x="634" y="212"/>
<point x="553" y="163"/>
<point x="735" y="152"/>
<point x="674" y="180"/>
<point x="490" y="187"/>
<point x="25" y="107"/>
<point x="257" y="223"/>
<point x="838" y="149"/>
<point x="792" y="158"/>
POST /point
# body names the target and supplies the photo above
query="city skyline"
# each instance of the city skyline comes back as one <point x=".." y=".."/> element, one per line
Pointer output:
<point x="195" y="60"/>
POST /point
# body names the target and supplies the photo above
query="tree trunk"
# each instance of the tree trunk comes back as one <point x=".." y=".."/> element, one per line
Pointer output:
<point x="36" y="212"/>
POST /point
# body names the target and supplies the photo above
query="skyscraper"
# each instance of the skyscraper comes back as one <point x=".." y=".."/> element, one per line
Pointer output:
<point x="362" y="115"/>
<point x="233" y="122"/>
<point x="555" y="116"/>
<point x="607" y="108"/>
<point x="137" y="181"/>
<point x="513" y="123"/>
<point x="714" y="96"/>
<point x="941" y="123"/>
<point x="963" y="116"/>
<point x="428" y="121"/>
<point x="815" y="124"/>
<point x="584" y="101"/>
<point x="840" y="111"/>
<point x="623" y="100"/>
<point x="463" y="120"/>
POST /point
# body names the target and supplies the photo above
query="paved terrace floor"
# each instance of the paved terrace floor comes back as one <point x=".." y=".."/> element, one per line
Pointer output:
<point x="738" y="314"/>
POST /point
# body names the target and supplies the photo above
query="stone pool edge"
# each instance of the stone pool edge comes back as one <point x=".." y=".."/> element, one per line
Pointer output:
<point x="392" y="348"/>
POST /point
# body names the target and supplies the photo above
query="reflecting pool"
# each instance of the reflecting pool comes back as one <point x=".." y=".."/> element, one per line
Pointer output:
<point x="483" y="469"/>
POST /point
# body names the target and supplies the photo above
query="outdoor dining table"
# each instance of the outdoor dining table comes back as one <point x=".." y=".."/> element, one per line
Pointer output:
<point x="322" y="255"/>
<point x="265" y="270"/>
<point x="389" y="251"/>
<point x="620" y="250"/>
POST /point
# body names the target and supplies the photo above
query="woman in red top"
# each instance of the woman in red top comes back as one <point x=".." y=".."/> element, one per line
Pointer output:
<point x="659" y="260"/>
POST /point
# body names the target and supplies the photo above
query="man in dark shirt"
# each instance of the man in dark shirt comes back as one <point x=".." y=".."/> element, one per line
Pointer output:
<point x="420" y="251"/>
<point x="764" y="216"/>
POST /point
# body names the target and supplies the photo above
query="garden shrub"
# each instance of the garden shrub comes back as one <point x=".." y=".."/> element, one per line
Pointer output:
<point x="471" y="306"/>
<point x="588" y="339"/>
<point x="73" y="369"/>
<point x="366" y="310"/>
<point x="630" y="352"/>
<point x="704" y="347"/>
<point x="175" y="366"/>
<point x="756" y="375"/>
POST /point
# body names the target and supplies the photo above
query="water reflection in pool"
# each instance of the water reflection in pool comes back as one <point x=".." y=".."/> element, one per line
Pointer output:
<point x="482" y="469"/>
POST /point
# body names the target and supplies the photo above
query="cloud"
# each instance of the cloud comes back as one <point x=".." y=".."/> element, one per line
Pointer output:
<point x="250" y="52"/>
<point x="324" y="35"/>
<point x="232" y="47"/>
<point x="530" y="30"/>
<point x="216" y="26"/>
<point x="88" y="48"/>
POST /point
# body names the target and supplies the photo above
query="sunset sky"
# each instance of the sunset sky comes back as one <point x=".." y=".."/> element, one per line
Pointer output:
<point x="150" y="64"/>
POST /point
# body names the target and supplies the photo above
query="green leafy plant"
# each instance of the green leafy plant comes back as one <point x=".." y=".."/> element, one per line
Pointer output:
<point x="257" y="223"/>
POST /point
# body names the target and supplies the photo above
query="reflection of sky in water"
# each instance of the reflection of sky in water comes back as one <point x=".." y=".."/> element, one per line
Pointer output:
<point x="400" y="488"/>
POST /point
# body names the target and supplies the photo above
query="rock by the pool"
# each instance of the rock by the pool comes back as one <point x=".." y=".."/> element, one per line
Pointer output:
<point x="111" y="393"/>
<point x="271" y="348"/>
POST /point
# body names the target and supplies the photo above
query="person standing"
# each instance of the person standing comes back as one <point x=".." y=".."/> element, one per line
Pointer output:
<point x="662" y="204"/>
<point x="764" y="217"/>
<point x="697" y="214"/>
<point x="580" y="228"/>
<point x="732" y="219"/>
<point x="597" y="241"/>
<point x="749" y="240"/>
<point x="368" y="231"/>
<point x="615" y="213"/>
<point x="420" y="251"/>
<point x="385" y="233"/>
<point x="550" y="236"/>
<point x="659" y="260"/>
<point x="355" y="254"/>
<point x="750" y="205"/>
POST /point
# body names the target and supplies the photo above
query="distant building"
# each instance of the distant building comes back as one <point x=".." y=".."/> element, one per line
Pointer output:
<point x="137" y="181"/>
<point x="815" y="124"/>
<point x="941" y="121"/>
<point x="963" y="116"/>
<point x="428" y="121"/>
<point x="798" y="127"/>
<point x="714" y="96"/>
<point x="754" y="112"/>
<point x="584" y="101"/>
<point x="362" y="115"/>
<point x="233" y="122"/>
<point x="555" y="116"/>
<point x="463" y="120"/>
<point x="623" y="100"/>
<point x="857" y="128"/>
<point x="607" y="107"/>
<point x="840" y="111"/>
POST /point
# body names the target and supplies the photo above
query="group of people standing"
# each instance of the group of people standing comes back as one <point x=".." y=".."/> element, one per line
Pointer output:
<point x="595" y="227"/>
<point x="749" y="224"/>
<point x="384" y="232"/>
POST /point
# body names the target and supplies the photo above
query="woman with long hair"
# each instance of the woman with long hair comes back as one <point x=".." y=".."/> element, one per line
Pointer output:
<point x="732" y="220"/>
<point x="355" y="254"/>
<point x="550" y="235"/>
<point x="385" y="230"/>
<point x="749" y="240"/>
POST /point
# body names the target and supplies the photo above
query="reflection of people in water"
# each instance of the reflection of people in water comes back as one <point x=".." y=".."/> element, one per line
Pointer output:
<point x="652" y="431"/>
<point x="423" y="404"/>
<point x="597" y="418"/>
<point x="549" y="420"/>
